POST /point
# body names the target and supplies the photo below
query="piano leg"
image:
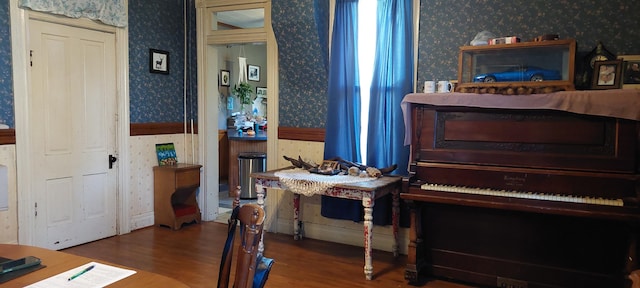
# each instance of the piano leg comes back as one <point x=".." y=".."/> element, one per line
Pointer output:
<point x="395" y="219"/>
<point x="368" y="203"/>
<point x="631" y="267"/>
<point x="415" y="253"/>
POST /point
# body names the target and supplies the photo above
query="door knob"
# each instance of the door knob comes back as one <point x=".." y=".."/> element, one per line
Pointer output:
<point x="112" y="159"/>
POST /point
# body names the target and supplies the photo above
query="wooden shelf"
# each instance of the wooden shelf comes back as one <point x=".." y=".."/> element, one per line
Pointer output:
<point x="175" y="195"/>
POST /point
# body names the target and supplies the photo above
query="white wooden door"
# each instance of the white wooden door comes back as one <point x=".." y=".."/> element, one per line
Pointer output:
<point x="72" y="116"/>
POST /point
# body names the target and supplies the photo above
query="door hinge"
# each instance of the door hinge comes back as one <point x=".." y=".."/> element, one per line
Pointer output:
<point x="31" y="58"/>
<point x="36" y="209"/>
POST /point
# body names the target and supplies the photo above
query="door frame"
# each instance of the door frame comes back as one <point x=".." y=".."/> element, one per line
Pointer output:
<point x="207" y="90"/>
<point x="21" y="83"/>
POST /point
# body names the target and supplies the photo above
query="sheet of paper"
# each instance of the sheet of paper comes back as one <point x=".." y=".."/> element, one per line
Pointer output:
<point x="101" y="275"/>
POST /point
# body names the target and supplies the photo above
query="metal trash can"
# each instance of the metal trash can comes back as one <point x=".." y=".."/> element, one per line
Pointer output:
<point x="249" y="162"/>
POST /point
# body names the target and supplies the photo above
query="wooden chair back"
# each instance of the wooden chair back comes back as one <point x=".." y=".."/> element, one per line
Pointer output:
<point x="250" y="219"/>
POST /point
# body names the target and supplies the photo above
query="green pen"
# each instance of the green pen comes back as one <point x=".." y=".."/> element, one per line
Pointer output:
<point x="85" y="270"/>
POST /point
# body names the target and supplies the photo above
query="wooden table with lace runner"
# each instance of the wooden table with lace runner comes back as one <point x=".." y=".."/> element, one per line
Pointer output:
<point x="366" y="189"/>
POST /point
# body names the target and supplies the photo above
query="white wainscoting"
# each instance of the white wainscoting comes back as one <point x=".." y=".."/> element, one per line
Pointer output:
<point x="9" y="217"/>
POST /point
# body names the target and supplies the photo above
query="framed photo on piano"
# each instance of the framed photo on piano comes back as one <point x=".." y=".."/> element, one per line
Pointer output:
<point x="630" y="71"/>
<point x="607" y="74"/>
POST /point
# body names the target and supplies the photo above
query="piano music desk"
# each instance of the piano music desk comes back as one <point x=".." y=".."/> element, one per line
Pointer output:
<point x="366" y="191"/>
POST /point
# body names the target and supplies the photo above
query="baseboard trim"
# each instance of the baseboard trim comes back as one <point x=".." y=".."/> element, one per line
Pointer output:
<point x="142" y="221"/>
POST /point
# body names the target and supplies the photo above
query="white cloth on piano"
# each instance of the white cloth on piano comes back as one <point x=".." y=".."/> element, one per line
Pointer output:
<point x="306" y="183"/>
<point x="617" y="103"/>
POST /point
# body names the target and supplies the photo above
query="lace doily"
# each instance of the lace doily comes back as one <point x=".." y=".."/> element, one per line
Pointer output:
<point x="308" y="184"/>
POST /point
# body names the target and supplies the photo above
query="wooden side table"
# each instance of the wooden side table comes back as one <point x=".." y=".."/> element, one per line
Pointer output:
<point x="175" y="194"/>
<point x="366" y="191"/>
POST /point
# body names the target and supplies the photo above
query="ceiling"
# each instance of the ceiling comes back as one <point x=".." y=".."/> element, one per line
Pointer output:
<point x="250" y="18"/>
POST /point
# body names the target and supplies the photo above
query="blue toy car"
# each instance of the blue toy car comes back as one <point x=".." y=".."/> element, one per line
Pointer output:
<point x="519" y="73"/>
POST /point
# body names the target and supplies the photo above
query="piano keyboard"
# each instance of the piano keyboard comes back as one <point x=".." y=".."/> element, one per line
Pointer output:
<point x="523" y="195"/>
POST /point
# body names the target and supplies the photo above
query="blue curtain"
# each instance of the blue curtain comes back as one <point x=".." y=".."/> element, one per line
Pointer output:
<point x="342" y="135"/>
<point x="342" y="129"/>
<point x="392" y="80"/>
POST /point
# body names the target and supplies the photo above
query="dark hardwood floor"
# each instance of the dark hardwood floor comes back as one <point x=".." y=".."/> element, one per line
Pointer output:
<point x="192" y="256"/>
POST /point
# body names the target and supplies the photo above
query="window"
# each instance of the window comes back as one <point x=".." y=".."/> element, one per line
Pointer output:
<point x="380" y="62"/>
<point x="366" y="56"/>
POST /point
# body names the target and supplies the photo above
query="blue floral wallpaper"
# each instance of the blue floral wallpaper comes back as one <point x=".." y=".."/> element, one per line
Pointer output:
<point x="444" y="27"/>
<point x="158" y="24"/>
<point x="302" y="73"/>
<point x="447" y="25"/>
<point x="6" y="77"/>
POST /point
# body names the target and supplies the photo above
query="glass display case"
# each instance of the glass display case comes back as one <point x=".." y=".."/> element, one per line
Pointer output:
<point x="529" y="65"/>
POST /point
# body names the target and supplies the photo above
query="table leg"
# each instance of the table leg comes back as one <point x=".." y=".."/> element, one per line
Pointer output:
<point x="261" y="192"/>
<point x="395" y="219"/>
<point x="367" y="203"/>
<point x="296" y="217"/>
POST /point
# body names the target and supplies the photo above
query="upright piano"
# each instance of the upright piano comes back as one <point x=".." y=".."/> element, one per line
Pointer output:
<point x="524" y="191"/>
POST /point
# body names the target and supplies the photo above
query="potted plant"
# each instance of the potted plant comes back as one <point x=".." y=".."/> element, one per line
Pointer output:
<point x="244" y="92"/>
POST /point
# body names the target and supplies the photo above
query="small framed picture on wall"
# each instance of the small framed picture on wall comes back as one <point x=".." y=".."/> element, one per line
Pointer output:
<point x="158" y="61"/>
<point x="224" y="78"/>
<point x="254" y="73"/>
<point x="261" y="92"/>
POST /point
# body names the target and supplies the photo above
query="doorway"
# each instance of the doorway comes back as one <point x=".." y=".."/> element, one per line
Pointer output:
<point x="231" y="113"/>
<point x="213" y="32"/>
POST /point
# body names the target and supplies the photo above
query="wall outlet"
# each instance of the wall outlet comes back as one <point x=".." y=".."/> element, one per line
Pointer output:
<point x="510" y="283"/>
